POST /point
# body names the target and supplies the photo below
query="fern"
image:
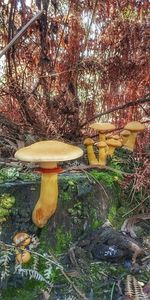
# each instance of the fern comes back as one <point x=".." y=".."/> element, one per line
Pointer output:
<point x="5" y="258"/>
<point x="35" y="262"/>
<point x="30" y="273"/>
<point x="48" y="272"/>
<point x="134" y="290"/>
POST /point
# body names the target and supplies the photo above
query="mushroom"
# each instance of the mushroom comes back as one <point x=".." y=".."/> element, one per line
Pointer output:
<point x="134" y="127"/>
<point x="47" y="154"/>
<point x="108" y="135"/>
<point x="102" y="153"/>
<point x="22" y="239"/>
<point x="125" y="135"/>
<point x="23" y="257"/>
<point x="113" y="144"/>
<point x="88" y="142"/>
<point x="115" y="137"/>
<point x="102" y="128"/>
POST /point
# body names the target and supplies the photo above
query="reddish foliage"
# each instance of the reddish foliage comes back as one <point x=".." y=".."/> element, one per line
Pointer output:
<point x="74" y="62"/>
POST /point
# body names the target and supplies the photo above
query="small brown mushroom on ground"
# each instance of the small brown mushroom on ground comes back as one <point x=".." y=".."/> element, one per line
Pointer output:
<point x="47" y="154"/>
<point x="134" y="127"/>
<point x="102" y="128"/>
<point x="125" y="135"/>
<point x="23" y="257"/>
<point x="103" y="151"/>
<point x="113" y="144"/>
<point x="21" y="239"/>
<point x="88" y="142"/>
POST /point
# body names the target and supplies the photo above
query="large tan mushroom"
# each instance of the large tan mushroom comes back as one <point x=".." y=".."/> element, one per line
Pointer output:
<point x="125" y="135"/>
<point x="102" y="128"/>
<point x="88" y="142"/>
<point x="47" y="154"/>
<point x="113" y="144"/>
<point x="103" y="151"/>
<point x="134" y="127"/>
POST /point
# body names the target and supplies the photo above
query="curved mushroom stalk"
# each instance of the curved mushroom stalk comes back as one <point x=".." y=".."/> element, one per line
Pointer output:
<point x="47" y="203"/>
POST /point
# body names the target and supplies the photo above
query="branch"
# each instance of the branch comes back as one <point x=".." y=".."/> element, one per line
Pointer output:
<point x="20" y="33"/>
<point x="126" y="105"/>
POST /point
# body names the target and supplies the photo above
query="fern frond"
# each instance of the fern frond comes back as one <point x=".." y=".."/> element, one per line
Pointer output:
<point x="5" y="258"/>
<point x="48" y="272"/>
<point x="134" y="290"/>
<point x="31" y="274"/>
<point x="35" y="262"/>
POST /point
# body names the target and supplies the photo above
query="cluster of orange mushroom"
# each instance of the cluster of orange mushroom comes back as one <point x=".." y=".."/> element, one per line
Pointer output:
<point x="108" y="141"/>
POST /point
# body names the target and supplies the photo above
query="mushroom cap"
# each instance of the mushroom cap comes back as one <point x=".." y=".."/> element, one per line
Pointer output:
<point x="88" y="141"/>
<point x="22" y="239"/>
<point x="114" y="143"/>
<point x="23" y="257"/>
<point x="135" y="126"/>
<point x="109" y="135"/>
<point x="116" y="137"/>
<point x="101" y="144"/>
<point x="49" y="151"/>
<point x="125" y="132"/>
<point x="102" y="127"/>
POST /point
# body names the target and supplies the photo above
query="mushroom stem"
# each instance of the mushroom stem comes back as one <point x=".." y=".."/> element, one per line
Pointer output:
<point x="102" y="157"/>
<point x="47" y="202"/>
<point x="131" y="141"/>
<point x="111" y="150"/>
<point x="102" y="137"/>
<point x="124" y="139"/>
<point x="91" y="155"/>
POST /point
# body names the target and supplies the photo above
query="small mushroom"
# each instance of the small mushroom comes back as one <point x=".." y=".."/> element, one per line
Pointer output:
<point x="23" y="257"/>
<point x="102" y="128"/>
<point x="125" y="135"/>
<point x="134" y="127"/>
<point x="115" y="137"/>
<point x="22" y="239"/>
<point x="113" y="144"/>
<point x="47" y="154"/>
<point x="88" y="142"/>
<point x="102" y="146"/>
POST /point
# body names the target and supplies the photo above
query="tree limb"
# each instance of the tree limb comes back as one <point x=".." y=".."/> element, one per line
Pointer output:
<point x="146" y="98"/>
<point x="20" y="33"/>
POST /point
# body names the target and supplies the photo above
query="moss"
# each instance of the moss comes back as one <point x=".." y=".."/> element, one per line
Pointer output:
<point x="108" y="178"/>
<point x="12" y="174"/>
<point x="63" y="239"/>
<point x="65" y="197"/>
<point x="30" y="289"/>
<point x="76" y="211"/>
<point x="95" y="222"/>
<point x="6" y="203"/>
